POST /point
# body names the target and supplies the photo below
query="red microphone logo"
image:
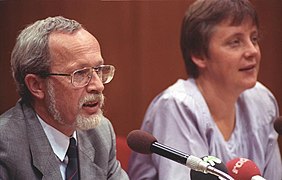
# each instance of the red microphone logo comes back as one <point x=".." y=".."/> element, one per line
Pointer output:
<point x="239" y="164"/>
<point x="243" y="169"/>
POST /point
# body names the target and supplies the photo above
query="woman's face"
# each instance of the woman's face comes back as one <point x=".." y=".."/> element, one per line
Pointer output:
<point x="234" y="56"/>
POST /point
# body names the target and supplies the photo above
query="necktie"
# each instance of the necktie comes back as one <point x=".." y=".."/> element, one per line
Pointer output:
<point x="72" y="166"/>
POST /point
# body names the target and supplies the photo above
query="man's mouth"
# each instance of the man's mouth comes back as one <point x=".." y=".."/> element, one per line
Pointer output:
<point x="91" y="104"/>
<point x="91" y="107"/>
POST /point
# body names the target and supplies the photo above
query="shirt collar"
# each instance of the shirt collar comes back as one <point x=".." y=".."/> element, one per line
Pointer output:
<point x="59" y="141"/>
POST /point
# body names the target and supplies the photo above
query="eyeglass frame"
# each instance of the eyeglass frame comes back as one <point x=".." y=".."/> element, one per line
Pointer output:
<point x="95" y="68"/>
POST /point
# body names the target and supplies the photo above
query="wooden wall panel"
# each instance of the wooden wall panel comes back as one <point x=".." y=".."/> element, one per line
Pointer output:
<point x="142" y="40"/>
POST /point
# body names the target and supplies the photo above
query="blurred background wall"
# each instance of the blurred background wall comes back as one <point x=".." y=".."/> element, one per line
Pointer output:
<point x="141" y="38"/>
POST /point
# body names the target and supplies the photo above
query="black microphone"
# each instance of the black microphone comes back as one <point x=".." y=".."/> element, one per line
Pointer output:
<point x="214" y="162"/>
<point x="144" y="143"/>
<point x="278" y="125"/>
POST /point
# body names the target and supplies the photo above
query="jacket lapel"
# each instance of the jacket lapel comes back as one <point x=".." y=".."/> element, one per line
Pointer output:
<point x="43" y="157"/>
<point x="86" y="156"/>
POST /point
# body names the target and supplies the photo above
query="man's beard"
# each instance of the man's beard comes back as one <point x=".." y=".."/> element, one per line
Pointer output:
<point x="81" y="122"/>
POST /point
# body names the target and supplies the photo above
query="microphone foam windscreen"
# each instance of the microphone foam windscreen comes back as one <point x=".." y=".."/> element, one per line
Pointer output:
<point x="214" y="162"/>
<point x="242" y="168"/>
<point x="140" y="141"/>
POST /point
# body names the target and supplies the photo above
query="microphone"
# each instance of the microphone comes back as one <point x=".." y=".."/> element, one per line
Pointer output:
<point x="144" y="143"/>
<point x="214" y="162"/>
<point x="278" y="125"/>
<point x="243" y="169"/>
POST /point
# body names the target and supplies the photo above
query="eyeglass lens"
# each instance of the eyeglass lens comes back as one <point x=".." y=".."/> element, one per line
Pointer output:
<point x="83" y="76"/>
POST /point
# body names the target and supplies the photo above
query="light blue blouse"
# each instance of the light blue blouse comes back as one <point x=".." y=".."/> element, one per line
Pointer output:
<point x="179" y="117"/>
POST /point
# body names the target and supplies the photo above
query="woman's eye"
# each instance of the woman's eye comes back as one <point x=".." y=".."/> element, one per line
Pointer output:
<point x="255" y="39"/>
<point x="234" y="42"/>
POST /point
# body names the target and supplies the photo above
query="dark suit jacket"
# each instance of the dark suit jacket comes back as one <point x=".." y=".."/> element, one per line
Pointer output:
<point x="25" y="152"/>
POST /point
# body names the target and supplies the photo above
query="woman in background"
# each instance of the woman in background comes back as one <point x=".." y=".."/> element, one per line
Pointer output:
<point x="221" y="109"/>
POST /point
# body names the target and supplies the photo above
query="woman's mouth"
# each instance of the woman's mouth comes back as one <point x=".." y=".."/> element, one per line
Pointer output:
<point x="248" y="68"/>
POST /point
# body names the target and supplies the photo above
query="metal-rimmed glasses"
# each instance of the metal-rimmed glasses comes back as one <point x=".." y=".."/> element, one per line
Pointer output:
<point x="81" y="77"/>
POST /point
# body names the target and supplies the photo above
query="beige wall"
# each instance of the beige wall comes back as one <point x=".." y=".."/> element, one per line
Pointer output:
<point x="142" y="40"/>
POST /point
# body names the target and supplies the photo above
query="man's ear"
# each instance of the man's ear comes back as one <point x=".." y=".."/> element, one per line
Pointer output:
<point x="35" y="84"/>
<point x="200" y="61"/>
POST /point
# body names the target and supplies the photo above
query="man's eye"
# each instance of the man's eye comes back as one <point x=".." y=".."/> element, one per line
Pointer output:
<point x="82" y="73"/>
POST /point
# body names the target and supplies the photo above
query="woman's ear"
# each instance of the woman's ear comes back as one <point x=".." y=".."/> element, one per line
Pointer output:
<point x="200" y="61"/>
<point x="35" y="84"/>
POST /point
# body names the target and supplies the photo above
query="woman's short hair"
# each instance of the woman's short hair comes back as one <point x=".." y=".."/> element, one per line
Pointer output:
<point x="199" y="21"/>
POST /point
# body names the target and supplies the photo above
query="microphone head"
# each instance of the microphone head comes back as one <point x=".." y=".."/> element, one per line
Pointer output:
<point x="212" y="161"/>
<point x="278" y="125"/>
<point x="242" y="168"/>
<point x="140" y="141"/>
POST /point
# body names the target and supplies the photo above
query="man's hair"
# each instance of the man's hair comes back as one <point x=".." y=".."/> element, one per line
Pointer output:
<point x="31" y="54"/>
<point x="199" y="22"/>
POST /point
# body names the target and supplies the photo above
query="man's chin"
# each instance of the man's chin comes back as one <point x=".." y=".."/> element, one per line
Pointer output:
<point x="88" y="122"/>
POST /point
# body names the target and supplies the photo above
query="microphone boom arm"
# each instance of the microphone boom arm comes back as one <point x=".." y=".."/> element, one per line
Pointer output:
<point x="190" y="161"/>
<point x="169" y="152"/>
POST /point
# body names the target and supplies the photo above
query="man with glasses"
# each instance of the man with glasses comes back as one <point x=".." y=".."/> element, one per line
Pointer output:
<point x="57" y="129"/>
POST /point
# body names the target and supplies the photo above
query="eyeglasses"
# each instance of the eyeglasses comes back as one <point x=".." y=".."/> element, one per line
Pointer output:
<point x="81" y="77"/>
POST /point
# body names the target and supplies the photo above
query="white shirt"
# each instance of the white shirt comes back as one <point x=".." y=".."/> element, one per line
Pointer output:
<point x="59" y="143"/>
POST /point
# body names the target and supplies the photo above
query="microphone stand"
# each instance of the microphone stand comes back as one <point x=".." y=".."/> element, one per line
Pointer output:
<point x="218" y="173"/>
<point x="192" y="162"/>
